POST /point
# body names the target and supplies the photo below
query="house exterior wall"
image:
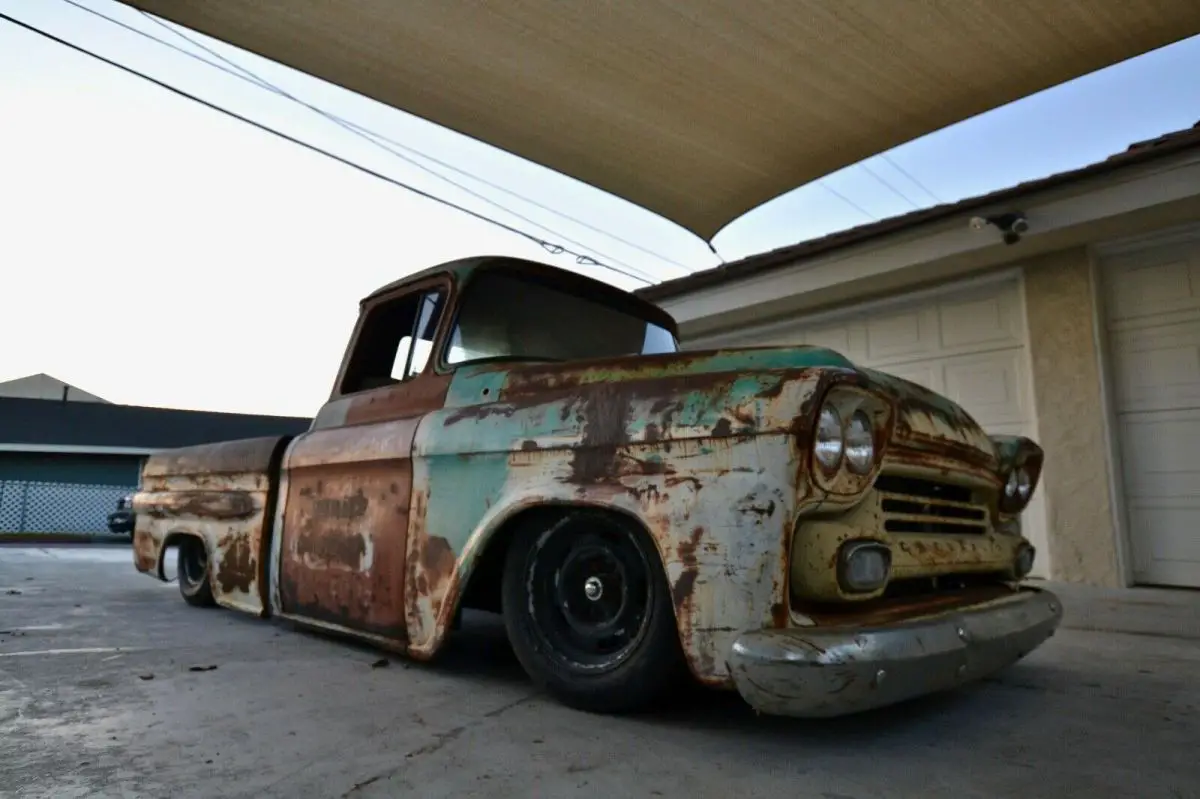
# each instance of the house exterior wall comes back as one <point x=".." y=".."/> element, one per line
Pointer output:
<point x="1068" y="390"/>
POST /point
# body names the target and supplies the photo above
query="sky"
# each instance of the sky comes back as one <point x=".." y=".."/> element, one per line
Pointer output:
<point x="156" y="252"/>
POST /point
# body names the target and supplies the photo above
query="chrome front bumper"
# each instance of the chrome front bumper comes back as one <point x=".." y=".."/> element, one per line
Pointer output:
<point x="814" y="672"/>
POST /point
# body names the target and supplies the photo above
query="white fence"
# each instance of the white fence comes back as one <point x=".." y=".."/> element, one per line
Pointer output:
<point x="72" y="508"/>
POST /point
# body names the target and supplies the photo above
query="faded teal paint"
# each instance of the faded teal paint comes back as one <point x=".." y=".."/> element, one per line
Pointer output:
<point x="1013" y="451"/>
<point x="460" y="492"/>
<point x="687" y="364"/>
<point x="756" y="363"/>
<point x="560" y="423"/>
<point x="475" y="385"/>
<point x="1007" y="448"/>
<point x="500" y="428"/>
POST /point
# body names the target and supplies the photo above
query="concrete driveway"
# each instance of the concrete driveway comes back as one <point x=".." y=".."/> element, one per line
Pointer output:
<point x="111" y="686"/>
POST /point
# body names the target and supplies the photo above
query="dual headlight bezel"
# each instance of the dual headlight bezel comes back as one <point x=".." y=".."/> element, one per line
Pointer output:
<point x="849" y="441"/>
<point x="849" y="434"/>
<point x="1016" y="490"/>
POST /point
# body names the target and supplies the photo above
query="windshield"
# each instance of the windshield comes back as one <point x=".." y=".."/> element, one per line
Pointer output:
<point x="508" y="317"/>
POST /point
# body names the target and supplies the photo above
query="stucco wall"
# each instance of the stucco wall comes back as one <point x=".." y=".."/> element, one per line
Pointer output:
<point x="1066" y="382"/>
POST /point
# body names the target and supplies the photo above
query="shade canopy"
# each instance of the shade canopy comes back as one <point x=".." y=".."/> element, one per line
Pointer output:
<point x="698" y="110"/>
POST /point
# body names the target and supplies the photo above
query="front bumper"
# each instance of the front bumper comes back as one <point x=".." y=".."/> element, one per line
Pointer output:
<point x="814" y="672"/>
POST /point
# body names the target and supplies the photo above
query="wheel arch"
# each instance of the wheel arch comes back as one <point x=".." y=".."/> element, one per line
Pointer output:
<point x="172" y="539"/>
<point x="483" y="560"/>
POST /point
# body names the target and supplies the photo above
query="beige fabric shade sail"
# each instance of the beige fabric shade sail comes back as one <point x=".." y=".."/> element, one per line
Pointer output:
<point x="698" y="110"/>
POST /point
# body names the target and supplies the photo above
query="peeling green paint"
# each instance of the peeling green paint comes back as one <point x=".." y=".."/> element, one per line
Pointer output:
<point x="475" y="385"/>
<point x="460" y="492"/>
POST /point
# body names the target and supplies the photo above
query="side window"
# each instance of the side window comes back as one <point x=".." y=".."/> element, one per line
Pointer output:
<point x="419" y="343"/>
<point x="394" y="342"/>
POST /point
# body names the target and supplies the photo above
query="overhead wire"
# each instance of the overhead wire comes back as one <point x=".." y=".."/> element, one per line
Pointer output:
<point x="847" y="200"/>
<point x="385" y="143"/>
<point x="551" y="247"/>
<point x="889" y="186"/>
<point x="910" y="176"/>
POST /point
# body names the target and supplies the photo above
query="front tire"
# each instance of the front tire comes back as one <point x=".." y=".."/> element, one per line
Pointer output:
<point x="192" y="573"/>
<point x="589" y="615"/>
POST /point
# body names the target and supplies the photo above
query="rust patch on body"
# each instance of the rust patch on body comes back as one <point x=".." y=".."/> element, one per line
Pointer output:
<point x="217" y="505"/>
<point x="434" y="572"/>
<point x="238" y="568"/>
<point x="681" y="592"/>
<point x="244" y="456"/>
<point x="146" y="549"/>
<point x="351" y="507"/>
<point x="345" y="541"/>
<point x="405" y="400"/>
<point x="606" y="412"/>
<point x="889" y="610"/>
<point x="331" y="551"/>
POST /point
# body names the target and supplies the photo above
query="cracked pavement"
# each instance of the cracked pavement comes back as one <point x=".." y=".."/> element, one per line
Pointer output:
<point x="106" y="690"/>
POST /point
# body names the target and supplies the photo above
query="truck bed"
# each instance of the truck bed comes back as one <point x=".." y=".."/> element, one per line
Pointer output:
<point x="225" y="495"/>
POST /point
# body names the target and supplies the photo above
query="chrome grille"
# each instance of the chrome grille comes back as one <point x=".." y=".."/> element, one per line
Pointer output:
<point x="915" y="505"/>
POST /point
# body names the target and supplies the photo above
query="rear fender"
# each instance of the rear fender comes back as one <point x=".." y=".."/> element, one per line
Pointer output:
<point x="224" y="494"/>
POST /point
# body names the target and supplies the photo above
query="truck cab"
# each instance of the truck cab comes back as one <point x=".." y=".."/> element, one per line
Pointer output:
<point x="507" y="436"/>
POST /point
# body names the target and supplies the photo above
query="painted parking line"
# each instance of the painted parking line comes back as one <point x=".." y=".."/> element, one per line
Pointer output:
<point x="90" y="650"/>
<point x="83" y="552"/>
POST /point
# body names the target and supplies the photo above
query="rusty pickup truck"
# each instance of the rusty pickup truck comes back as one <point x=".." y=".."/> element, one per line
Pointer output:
<point x="507" y="436"/>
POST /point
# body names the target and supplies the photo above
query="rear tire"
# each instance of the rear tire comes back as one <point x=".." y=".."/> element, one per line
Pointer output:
<point x="192" y="572"/>
<point x="588" y="612"/>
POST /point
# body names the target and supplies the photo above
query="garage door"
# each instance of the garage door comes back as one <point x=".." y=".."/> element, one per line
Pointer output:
<point x="1152" y="301"/>
<point x="967" y="343"/>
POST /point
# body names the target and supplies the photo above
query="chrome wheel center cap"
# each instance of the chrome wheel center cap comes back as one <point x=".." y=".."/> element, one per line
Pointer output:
<point x="593" y="588"/>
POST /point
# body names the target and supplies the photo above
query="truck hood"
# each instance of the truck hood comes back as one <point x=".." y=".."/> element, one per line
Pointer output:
<point x="747" y="360"/>
<point x="925" y="420"/>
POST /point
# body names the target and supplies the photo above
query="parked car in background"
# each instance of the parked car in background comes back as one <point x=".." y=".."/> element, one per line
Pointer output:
<point x="121" y="521"/>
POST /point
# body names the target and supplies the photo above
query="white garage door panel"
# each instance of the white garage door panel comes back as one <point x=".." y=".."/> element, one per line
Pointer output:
<point x="1157" y="368"/>
<point x="968" y="345"/>
<point x="1164" y="560"/>
<point x="1153" y="303"/>
<point x="989" y="386"/>
<point x="1150" y="284"/>
<point x="900" y="336"/>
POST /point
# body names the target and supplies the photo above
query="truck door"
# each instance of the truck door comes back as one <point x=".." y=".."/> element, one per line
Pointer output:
<point x="348" y="481"/>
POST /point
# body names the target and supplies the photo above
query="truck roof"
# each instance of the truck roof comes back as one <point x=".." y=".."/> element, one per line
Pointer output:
<point x="460" y="269"/>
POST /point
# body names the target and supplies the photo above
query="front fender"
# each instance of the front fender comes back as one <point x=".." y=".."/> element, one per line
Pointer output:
<point x="719" y="511"/>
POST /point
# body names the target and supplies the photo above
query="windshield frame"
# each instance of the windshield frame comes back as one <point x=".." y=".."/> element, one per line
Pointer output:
<point x="555" y="279"/>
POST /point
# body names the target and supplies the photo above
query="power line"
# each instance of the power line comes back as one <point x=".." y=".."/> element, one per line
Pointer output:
<point x="245" y="74"/>
<point x="847" y="201"/>
<point x="910" y="176"/>
<point x="552" y="247"/>
<point x="894" y="190"/>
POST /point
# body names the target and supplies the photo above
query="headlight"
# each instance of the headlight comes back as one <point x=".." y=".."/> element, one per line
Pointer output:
<point x="864" y="566"/>
<point x="1023" y="484"/>
<point x="860" y="443"/>
<point x="827" y="448"/>
<point x="1017" y="489"/>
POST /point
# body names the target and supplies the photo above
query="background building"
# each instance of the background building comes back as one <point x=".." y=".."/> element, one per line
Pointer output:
<point x="1082" y="332"/>
<point x="66" y="456"/>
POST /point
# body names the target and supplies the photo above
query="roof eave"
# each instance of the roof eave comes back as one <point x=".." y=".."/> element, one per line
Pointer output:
<point x="1136" y="155"/>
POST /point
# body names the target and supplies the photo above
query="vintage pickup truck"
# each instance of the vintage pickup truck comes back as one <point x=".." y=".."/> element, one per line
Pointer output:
<point x="507" y="436"/>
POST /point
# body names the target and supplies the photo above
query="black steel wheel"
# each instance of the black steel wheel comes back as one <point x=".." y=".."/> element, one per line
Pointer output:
<point x="589" y="614"/>
<point x="192" y="572"/>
